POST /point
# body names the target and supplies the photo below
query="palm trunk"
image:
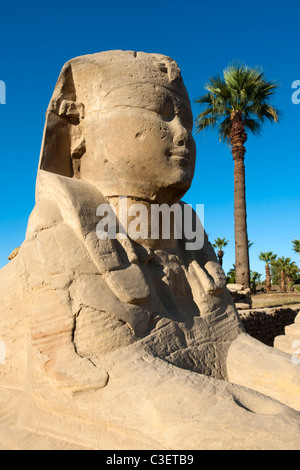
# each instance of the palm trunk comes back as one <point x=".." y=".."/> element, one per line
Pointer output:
<point x="238" y="138"/>
<point x="268" y="279"/>
<point x="220" y="256"/>
<point x="289" y="281"/>
<point x="283" y="281"/>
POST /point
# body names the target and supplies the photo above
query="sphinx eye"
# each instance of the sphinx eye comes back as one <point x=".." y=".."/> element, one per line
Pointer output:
<point x="166" y="109"/>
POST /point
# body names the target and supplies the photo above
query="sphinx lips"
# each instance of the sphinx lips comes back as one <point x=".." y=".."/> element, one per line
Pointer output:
<point x="180" y="156"/>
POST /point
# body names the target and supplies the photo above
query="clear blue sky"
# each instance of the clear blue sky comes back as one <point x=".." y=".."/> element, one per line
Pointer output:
<point x="37" y="38"/>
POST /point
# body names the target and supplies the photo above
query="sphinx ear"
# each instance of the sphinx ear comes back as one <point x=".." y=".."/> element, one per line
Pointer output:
<point x="63" y="142"/>
<point x="72" y="111"/>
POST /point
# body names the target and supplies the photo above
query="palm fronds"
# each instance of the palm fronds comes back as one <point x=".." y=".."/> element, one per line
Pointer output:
<point x="241" y="89"/>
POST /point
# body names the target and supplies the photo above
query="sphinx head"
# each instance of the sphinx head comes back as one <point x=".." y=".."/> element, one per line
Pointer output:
<point x="123" y="122"/>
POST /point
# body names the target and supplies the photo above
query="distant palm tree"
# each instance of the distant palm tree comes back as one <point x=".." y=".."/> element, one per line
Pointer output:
<point x="283" y="266"/>
<point x="220" y="243"/>
<point x="231" y="275"/>
<point x="235" y="104"/>
<point x="255" y="278"/>
<point x="296" y="246"/>
<point x="268" y="257"/>
<point x="291" y="272"/>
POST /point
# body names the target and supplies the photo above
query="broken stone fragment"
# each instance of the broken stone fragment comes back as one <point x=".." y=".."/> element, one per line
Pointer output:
<point x="14" y="253"/>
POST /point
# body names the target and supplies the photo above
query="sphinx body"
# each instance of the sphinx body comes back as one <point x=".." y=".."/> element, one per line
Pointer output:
<point x="131" y="344"/>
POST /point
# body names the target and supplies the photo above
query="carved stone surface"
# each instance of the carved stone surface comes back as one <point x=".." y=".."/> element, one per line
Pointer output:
<point x="290" y="341"/>
<point x="121" y="343"/>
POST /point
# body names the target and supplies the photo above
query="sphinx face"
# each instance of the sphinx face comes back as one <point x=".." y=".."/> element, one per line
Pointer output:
<point x="140" y="144"/>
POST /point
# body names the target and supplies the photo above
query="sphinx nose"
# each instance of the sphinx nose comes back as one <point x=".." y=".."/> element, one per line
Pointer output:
<point x="181" y="134"/>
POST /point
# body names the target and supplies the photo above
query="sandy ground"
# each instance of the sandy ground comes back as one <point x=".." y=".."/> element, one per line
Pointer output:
<point x="275" y="299"/>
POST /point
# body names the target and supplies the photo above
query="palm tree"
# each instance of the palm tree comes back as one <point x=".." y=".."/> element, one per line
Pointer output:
<point x="291" y="272"/>
<point x="231" y="275"/>
<point x="296" y="246"/>
<point x="282" y="265"/>
<point x="235" y="104"/>
<point x="220" y="243"/>
<point x="255" y="278"/>
<point x="268" y="257"/>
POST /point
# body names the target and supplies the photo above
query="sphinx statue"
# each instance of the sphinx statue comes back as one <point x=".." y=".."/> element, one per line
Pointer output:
<point x="121" y="343"/>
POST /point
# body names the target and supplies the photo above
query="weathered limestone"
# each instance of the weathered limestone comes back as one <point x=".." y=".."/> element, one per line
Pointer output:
<point x="271" y="366"/>
<point x="13" y="254"/>
<point x="123" y="344"/>
<point x="290" y="341"/>
<point x="241" y="296"/>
